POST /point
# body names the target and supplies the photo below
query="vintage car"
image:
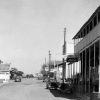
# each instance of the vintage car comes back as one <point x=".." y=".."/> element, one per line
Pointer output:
<point x="51" y="82"/>
<point x="18" y="79"/>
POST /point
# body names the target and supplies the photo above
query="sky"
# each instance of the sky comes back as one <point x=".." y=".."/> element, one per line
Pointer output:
<point x="30" y="28"/>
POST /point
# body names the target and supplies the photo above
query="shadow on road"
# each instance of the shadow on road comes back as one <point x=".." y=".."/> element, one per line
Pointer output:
<point x="57" y="93"/>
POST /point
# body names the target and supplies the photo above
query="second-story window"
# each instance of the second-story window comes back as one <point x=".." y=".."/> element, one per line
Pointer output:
<point x="84" y="31"/>
<point x="99" y="16"/>
<point x="81" y="35"/>
<point x="91" y="25"/>
<point x="87" y="29"/>
<point x="95" y="20"/>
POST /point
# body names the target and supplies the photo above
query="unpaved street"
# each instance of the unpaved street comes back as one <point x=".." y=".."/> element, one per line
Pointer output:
<point x="30" y="89"/>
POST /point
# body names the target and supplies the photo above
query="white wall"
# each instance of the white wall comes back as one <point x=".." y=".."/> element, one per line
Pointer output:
<point x="5" y="76"/>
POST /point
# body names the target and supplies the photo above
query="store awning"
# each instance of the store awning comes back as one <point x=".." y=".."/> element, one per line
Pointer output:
<point x="61" y="64"/>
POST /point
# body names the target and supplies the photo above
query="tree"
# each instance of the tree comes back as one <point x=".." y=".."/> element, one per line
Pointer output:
<point x="43" y="72"/>
<point x="1" y="61"/>
<point x="13" y="72"/>
<point x="20" y="73"/>
<point x="14" y="69"/>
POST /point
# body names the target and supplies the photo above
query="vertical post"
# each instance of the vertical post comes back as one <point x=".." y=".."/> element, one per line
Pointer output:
<point x="82" y="73"/>
<point x="85" y="72"/>
<point x="94" y="66"/>
<point x="79" y="74"/>
<point x="49" y="63"/>
<point x="45" y="65"/>
<point x="45" y="61"/>
<point x="64" y="53"/>
<point x="68" y="71"/>
<point x="80" y="66"/>
<point x="64" y="70"/>
<point x="89" y="72"/>
<point x="99" y="66"/>
<point x="99" y="71"/>
<point x="71" y="70"/>
<point x="76" y="72"/>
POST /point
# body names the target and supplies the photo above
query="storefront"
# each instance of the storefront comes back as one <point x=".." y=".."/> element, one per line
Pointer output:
<point x="87" y="45"/>
<point x="90" y="67"/>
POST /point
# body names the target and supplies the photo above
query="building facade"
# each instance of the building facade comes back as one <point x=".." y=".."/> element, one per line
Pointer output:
<point x="4" y="73"/>
<point x="87" y="47"/>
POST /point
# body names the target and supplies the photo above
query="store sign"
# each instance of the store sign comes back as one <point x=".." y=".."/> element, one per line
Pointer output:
<point x="72" y="59"/>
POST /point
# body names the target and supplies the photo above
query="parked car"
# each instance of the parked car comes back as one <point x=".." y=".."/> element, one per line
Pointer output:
<point x="18" y="79"/>
<point x="51" y="82"/>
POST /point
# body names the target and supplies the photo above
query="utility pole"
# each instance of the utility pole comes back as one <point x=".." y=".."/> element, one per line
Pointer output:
<point x="49" y="63"/>
<point x="45" y="63"/>
<point x="64" y="53"/>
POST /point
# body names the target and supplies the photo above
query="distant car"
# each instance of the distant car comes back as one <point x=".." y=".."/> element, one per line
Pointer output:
<point x="40" y="77"/>
<point x="45" y="78"/>
<point x="18" y="79"/>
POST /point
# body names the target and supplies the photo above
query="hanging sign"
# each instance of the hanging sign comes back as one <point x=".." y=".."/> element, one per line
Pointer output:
<point x="72" y="59"/>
